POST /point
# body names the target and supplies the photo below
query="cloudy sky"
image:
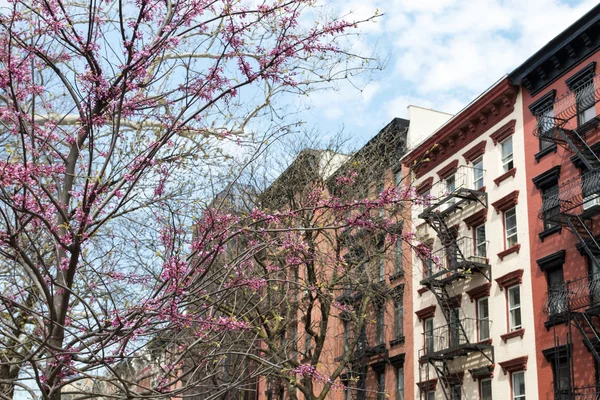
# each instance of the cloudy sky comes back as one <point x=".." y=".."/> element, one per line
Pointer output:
<point x="442" y="54"/>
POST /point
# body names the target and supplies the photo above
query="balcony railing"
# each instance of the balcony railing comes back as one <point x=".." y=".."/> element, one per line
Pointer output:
<point x="462" y="253"/>
<point x="577" y="294"/>
<point x="583" y="190"/>
<point x="464" y="185"/>
<point x="452" y="340"/>
<point x="565" y="108"/>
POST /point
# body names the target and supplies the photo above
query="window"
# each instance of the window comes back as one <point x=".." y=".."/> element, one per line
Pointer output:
<point x="556" y="291"/>
<point x="450" y="183"/>
<point x="427" y="260"/>
<point x="562" y="377"/>
<point x="478" y="173"/>
<point x="456" y="392"/>
<point x="584" y="95"/>
<point x="454" y="328"/>
<point x="398" y="178"/>
<point x="346" y="335"/>
<point x="398" y="257"/>
<point x="518" y="385"/>
<point x="510" y="226"/>
<point x="589" y="189"/>
<point x="381" y="385"/>
<point x="483" y="318"/>
<point x="400" y="383"/>
<point x="545" y="126"/>
<point x="480" y="242"/>
<point x="514" y="307"/>
<point x="381" y="264"/>
<point x="550" y="206"/>
<point x="430" y="395"/>
<point x="380" y="325"/>
<point x="428" y="335"/>
<point x="426" y="198"/>
<point x="398" y="318"/>
<point x="507" y="154"/>
<point x="485" y="389"/>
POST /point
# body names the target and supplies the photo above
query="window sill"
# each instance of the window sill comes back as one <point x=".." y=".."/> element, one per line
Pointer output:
<point x="486" y="341"/>
<point x="396" y="276"/>
<point x="395" y="342"/>
<point x="550" y="231"/>
<point x="513" y="334"/>
<point x="550" y="149"/>
<point x="511" y="172"/>
<point x="514" y="249"/>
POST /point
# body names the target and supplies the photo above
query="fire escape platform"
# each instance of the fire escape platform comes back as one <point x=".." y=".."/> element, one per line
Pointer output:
<point x="461" y="350"/>
<point x="460" y="271"/>
<point x="465" y="196"/>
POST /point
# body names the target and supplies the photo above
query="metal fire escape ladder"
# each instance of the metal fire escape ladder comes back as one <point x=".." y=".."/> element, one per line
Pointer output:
<point x="579" y="146"/>
<point x="590" y="334"/>
<point x="585" y="237"/>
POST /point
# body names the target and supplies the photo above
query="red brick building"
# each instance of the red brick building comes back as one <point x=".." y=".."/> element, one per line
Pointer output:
<point x="560" y="93"/>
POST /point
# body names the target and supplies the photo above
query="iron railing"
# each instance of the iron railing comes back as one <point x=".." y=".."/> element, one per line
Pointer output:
<point x="464" y="178"/>
<point x="565" y="108"/>
<point x="583" y="190"/>
<point x="459" y="253"/>
<point x="579" y="393"/>
<point x="573" y="295"/>
<point x="452" y="336"/>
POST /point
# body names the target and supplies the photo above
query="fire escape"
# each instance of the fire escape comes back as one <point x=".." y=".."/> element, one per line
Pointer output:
<point x="574" y="206"/>
<point x="457" y="259"/>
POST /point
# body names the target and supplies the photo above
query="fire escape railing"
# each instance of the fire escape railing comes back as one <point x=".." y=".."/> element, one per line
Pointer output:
<point x="451" y="341"/>
<point x="457" y="259"/>
<point x="574" y="205"/>
<point x="460" y="257"/>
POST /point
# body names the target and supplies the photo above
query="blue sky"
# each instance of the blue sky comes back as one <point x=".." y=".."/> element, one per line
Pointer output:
<point x="442" y="54"/>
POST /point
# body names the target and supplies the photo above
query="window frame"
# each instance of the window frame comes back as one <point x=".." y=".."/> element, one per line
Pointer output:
<point x="477" y="244"/>
<point x="543" y="126"/>
<point x="480" y="320"/>
<point x="585" y="86"/>
<point x="399" y="389"/>
<point x="517" y="309"/>
<point x="381" y="395"/>
<point x="380" y="324"/>
<point x="507" y="159"/>
<point x="508" y="236"/>
<point x="478" y="160"/>
<point x="398" y="254"/>
<point x="481" y="381"/>
<point x="399" y="317"/>
<point x="512" y="385"/>
<point x="548" y="193"/>
<point x="428" y="339"/>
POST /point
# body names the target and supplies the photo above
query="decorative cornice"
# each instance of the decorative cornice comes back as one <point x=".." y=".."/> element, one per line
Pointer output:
<point x="507" y="202"/>
<point x="429" y="385"/>
<point x="483" y="372"/>
<point x="552" y="353"/>
<point x="543" y="103"/>
<point x="422" y="290"/>
<point x="475" y="152"/>
<point x="552" y="261"/>
<point x="514" y="365"/>
<point x="425" y="185"/>
<point x="515" y="249"/>
<point x="547" y="178"/>
<point x="398" y="360"/>
<point x="496" y="104"/>
<point x="505" y="131"/>
<point x="379" y="366"/>
<point x="513" y="334"/>
<point x="510" y="279"/>
<point x="476" y="219"/>
<point x="480" y="291"/>
<point x="425" y="313"/>
<point x="511" y="172"/>
<point x="448" y="169"/>
<point x="581" y="76"/>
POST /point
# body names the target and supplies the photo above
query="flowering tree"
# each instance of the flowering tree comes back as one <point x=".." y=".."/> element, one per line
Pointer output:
<point x="111" y="114"/>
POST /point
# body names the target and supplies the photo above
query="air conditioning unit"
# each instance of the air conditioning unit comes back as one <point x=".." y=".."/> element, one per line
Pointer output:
<point x="591" y="201"/>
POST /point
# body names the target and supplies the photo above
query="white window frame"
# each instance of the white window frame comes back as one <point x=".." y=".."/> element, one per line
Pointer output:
<point x="478" y="170"/>
<point x="507" y="158"/>
<point x="450" y="186"/>
<point x="513" y="232"/>
<point x="514" y="392"/>
<point x="481" y="320"/>
<point x="514" y="309"/>
<point x="480" y="247"/>
<point x="481" y="382"/>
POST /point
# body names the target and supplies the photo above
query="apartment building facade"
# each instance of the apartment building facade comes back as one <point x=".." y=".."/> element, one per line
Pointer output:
<point x="473" y="325"/>
<point x="560" y="93"/>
